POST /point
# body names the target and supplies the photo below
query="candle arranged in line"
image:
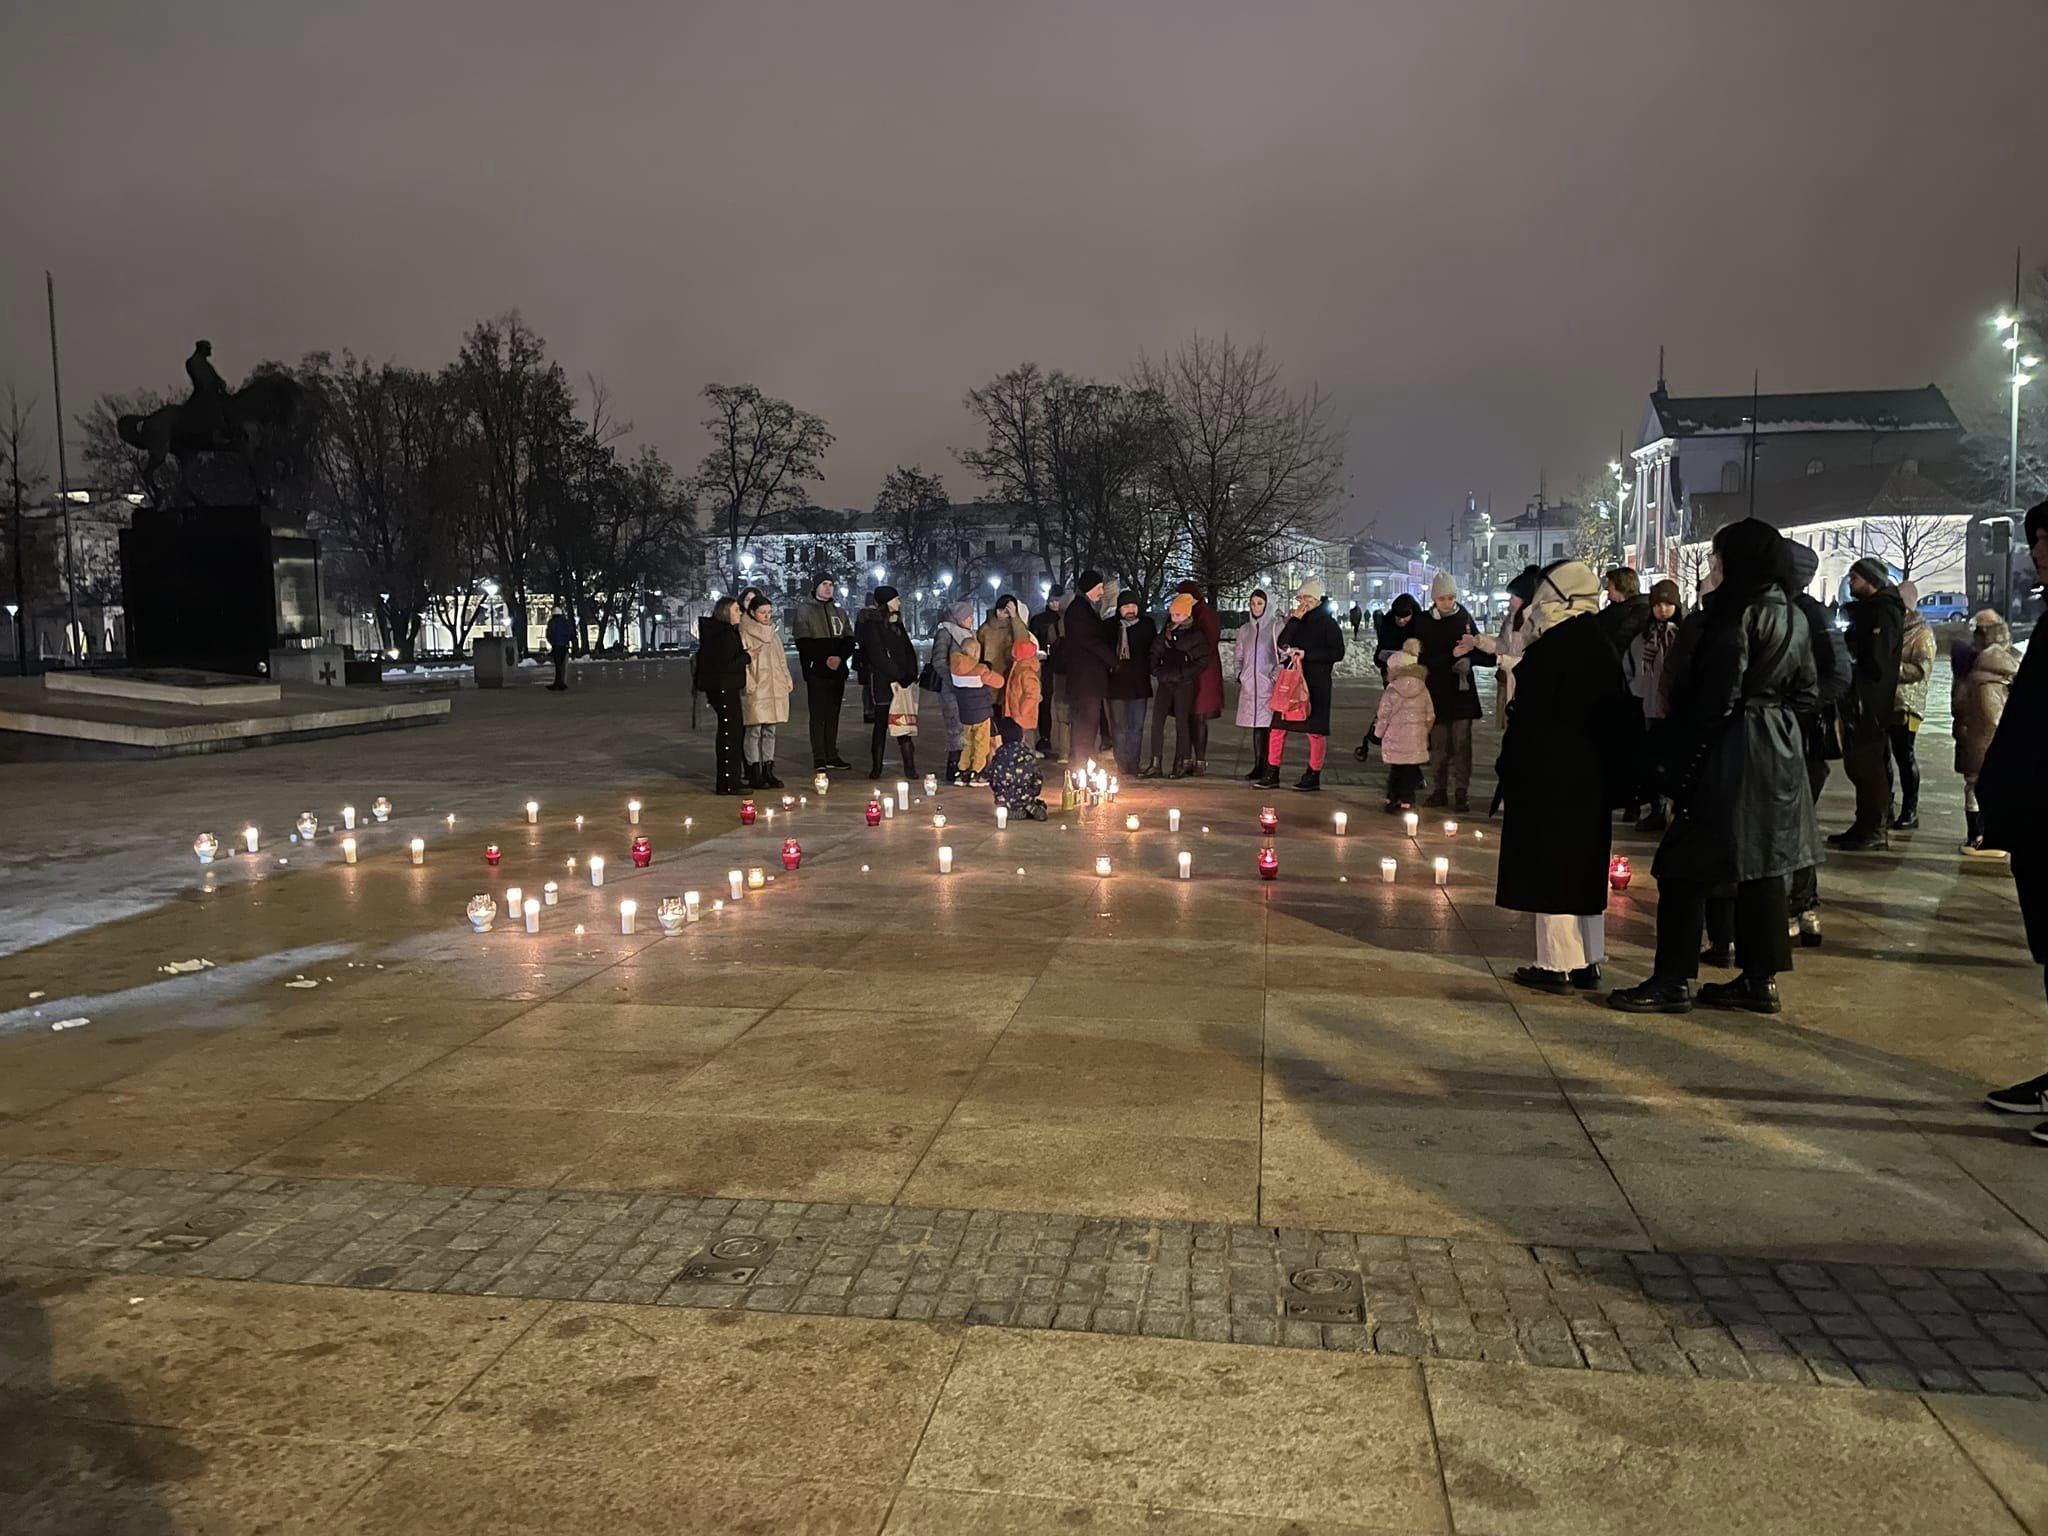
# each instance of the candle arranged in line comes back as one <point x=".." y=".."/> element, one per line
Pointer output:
<point x="756" y="878"/>
<point x="1002" y="817"/>
<point x="1443" y="871"/>
<point x="309" y="826"/>
<point x="513" y="897"/>
<point x="945" y="859"/>
<point x="1102" y="867"/>
<point x="597" y="869"/>
<point x="931" y="783"/>
<point x="628" y="910"/>
<point x="1269" y="819"/>
<point x="792" y="854"/>
<point x="642" y="852"/>
<point x="482" y="911"/>
<point x="492" y="855"/>
<point x="693" y="905"/>
<point x="1342" y="821"/>
<point x="747" y="813"/>
<point x="633" y="812"/>
<point x="1130" y="823"/>
<point x="551" y="893"/>
<point x="822" y="783"/>
<point x="669" y="914"/>
<point x="249" y="839"/>
<point x="903" y="794"/>
<point x="1173" y="818"/>
<point x="348" y="817"/>
<point x="939" y="819"/>
<point x="1387" y="868"/>
<point x="532" y="812"/>
<point x="736" y="882"/>
<point x="874" y="812"/>
<point x="1187" y="865"/>
<point x="531" y="908"/>
<point x="380" y="808"/>
<point x="1450" y="829"/>
<point x="206" y="845"/>
<point x="419" y="850"/>
<point x="1269" y="863"/>
<point x="888" y="810"/>
<point x="348" y="850"/>
<point x="579" y="823"/>
<point x="1410" y="821"/>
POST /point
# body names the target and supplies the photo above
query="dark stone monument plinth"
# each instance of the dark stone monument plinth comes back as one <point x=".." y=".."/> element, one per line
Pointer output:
<point x="217" y="588"/>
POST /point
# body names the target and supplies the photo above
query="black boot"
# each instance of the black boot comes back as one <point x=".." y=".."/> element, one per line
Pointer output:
<point x="753" y="772"/>
<point x="909" y="757"/>
<point x="1311" y="779"/>
<point x="1756" y="994"/>
<point x="1657" y="995"/>
<point x="1270" y="777"/>
<point x="952" y="767"/>
<point x="1261" y="739"/>
<point x="768" y="779"/>
<point x="1973" y="830"/>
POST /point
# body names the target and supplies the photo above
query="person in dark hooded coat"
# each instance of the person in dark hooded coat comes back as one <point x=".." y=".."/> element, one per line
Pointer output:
<point x="1563" y="763"/>
<point x="888" y="660"/>
<point x="1816" y="725"/>
<point x="1732" y="760"/>
<point x="1877" y="629"/>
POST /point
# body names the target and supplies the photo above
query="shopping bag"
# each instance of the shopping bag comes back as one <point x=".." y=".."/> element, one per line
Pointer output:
<point x="1290" y="692"/>
<point x="902" y="710"/>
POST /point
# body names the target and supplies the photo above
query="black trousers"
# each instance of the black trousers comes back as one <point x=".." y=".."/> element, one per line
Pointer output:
<point x="1762" y="946"/>
<point x="825" y="692"/>
<point x="1199" y="745"/>
<point x="1805" y="883"/>
<point x="561" y="666"/>
<point x="1084" y="716"/>
<point x="1177" y="700"/>
<point x="1903" y="739"/>
<point x="907" y="745"/>
<point x="1867" y="759"/>
<point x="725" y="744"/>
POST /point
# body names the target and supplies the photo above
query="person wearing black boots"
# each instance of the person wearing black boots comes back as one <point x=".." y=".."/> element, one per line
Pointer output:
<point x="1732" y="759"/>
<point x="887" y="661"/>
<point x="719" y="674"/>
<point x="1255" y="660"/>
<point x="1315" y="640"/>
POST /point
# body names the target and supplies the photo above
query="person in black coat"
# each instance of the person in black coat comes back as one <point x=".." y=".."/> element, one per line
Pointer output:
<point x="1450" y="650"/>
<point x="1732" y="760"/>
<point x="1563" y="764"/>
<point x="1315" y="639"/>
<point x="719" y="674"/>
<point x="2015" y="811"/>
<point x="887" y="660"/>
<point x="1130" y="681"/>
<point x="1817" y="725"/>
<point x="1087" y="652"/>
<point x="1877" y="632"/>
<point x="1179" y="658"/>
<point x="1626" y="616"/>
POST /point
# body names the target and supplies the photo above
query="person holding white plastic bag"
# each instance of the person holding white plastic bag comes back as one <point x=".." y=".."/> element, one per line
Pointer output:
<point x="888" y="666"/>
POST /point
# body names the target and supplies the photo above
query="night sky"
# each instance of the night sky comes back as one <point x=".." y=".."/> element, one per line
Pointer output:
<point x="1473" y="223"/>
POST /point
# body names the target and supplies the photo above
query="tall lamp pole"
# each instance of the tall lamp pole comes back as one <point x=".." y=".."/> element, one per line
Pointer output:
<point x="72" y="636"/>
<point x="2002" y="537"/>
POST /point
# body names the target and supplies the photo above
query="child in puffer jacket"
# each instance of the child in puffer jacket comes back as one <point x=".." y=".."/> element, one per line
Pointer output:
<point x="1402" y="725"/>
<point x="973" y="686"/>
<point x="1013" y="773"/>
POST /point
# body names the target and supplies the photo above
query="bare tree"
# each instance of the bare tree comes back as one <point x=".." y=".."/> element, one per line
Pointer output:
<point x="764" y="452"/>
<point x="1102" y="442"/>
<point x="520" y="407"/>
<point x="915" y="510"/>
<point x="21" y="467"/>
<point x="1012" y="461"/>
<point x="1918" y="537"/>
<point x="1245" y="463"/>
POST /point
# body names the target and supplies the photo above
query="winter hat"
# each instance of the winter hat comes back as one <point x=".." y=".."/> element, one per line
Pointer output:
<point x="1405" y="606"/>
<point x="1872" y="571"/>
<point x="819" y="580"/>
<point x="1442" y="584"/>
<point x="1524" y="584"/>
<point x="1087" y="582"/>
<point x="1801" y="561"/>
<point x="1181" y="609"/>
<point x="961" y="615"/>
<point x="1313" y="587"/>
<point x="1565" y="590"/>
<point x="1407" y="658"/>
<point x="1751" y="555"/>
<point x="1192" y="588"/>
<point x="884" y="596"/>
<point x="1025" y="649"/>
<point x="1666" y="591"/>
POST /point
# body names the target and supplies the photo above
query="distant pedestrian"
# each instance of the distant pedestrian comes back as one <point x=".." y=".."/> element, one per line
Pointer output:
<point x="2015" y="810"/>
<point x="1731" y="760"/>
<point x="888" y="662"/>
<point x="561" y="637"/>
<point x="1209" y="686"/>
<point x="1255" y="658"/>
<point x="721" y="676"/>
<point x="1401" y="727"/>
<point x="765" y="703"/>
<point x="824" y="645"/>
<point x="1983" y="668"/>
<point x="1357" y="618"/>
<point x="1180" y="656"/>
<point x="1877" y="626"/>
<point x="1909" y="706"/>
<point x="1130" y="683"/>
<point x="1311" y="643"/>
<point x="1566" y="759"/>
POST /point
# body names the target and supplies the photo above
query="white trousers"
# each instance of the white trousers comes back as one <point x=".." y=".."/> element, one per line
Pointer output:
<point x="1568" y="943"/>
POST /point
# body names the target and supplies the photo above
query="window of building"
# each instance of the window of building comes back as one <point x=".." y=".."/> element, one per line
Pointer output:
<point x="1814" y="466"/>
<point x="1557" y="549"/>
<point x="991" y="547"/>
<point x="1982" y="584"/>
<point x="1731" y="476"/>
<point x="1016" y="546"/>
<point x="871" y="552"/>
<point x="1523" y="550"/>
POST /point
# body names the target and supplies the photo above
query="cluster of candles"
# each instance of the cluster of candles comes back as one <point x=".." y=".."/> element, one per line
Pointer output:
<point x="206" y="846"/>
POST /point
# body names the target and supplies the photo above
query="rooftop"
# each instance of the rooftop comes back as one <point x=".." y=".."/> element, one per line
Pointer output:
<point x="1846" y="410"/>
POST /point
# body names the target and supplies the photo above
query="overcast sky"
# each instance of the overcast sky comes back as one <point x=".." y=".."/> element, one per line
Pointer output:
<point x="1472" y="223"/>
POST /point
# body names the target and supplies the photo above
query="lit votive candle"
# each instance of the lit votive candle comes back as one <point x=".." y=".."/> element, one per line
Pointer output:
<point x="1411" y="821"/>
<point x="532" y="812"/>
<point x="513" y="898"/>
<point x="348" y="817"/>
<point x="1450" y="829"/>
<point x="1130" y="823"/>
<point x="597" y="869"/>
<point x="768" y="814"/>
<point x="249" y="838"/>
<point x="1187" y="865"/>
<point x="348" y="850"/>
<point x="1173" y="818"/>
<point x="903" y="794"/>
<point x="1102" y="868"/>
<point x="531" y="908"/>
<point x="1342" y="820"/>
<point x="419" y="850"/>
<point x="628" y="910"/>
<point x="1387" y="868"/>
<point x="1002" y="817"/>
<point x="945" y="860"/>
<point x="551" y="893"/>
<point x="693" y="906"/>
<point x="931" y="783"/>
<point x="451" y="821"/>
<point x="736" y="883"/>
<point x="579" y="823"/>
<point x="1443" y="871"/>
<point x="633" y="812"/>
<point x="756" y="878"/>
<point x="822" y="783"/>
<point x="939" y="819"/>
<point x="889" y="810"/>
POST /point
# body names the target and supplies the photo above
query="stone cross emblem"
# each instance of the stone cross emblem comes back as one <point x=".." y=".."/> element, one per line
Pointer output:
<point x="327" y="673"/>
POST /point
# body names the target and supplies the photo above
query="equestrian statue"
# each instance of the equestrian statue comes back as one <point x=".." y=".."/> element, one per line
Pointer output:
<point x="254" y="424"/>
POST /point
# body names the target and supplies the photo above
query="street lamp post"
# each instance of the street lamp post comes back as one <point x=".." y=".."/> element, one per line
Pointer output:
<point x="2001" y="538"/>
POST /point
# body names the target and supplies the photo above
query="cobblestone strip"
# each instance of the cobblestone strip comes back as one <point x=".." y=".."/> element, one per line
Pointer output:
<point x="1845" y="1325"/>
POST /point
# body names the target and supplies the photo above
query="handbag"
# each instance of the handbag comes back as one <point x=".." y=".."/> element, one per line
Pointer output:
<point x="1290" y="692"/>
<point x="928" y="679"/>
<point x="902" y="710"/>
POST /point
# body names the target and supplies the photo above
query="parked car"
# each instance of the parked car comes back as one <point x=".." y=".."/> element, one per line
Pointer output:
<point x="1944" y="607"/>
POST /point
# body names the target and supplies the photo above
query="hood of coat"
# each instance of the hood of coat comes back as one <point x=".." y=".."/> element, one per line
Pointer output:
<point x="1568" y="590"/>
<point x="757" y="633"/>
<point x="1404" y="607"/>
<point x="1994" y="665"/>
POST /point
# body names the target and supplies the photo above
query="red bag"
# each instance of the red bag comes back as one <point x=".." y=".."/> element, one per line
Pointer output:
<point x="1290" y="692"/>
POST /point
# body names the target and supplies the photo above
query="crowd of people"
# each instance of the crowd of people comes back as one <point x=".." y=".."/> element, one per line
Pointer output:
<point x="1715" y="727"/>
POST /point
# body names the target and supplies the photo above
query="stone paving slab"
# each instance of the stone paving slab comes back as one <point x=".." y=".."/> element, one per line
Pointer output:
<point x="1669" y="1314"/>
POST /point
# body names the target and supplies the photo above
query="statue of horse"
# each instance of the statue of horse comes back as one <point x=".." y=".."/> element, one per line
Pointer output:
<point x="264" y="410"/>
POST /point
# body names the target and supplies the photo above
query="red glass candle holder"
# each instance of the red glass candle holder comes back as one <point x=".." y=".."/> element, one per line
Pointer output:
<point x="491" y="855"/>
<point x="1269" y="820"/>
<point x="1269" y="863"/>
<point x="792" y="854"/>
<point x="1618" y="872"/>
<point x="643" y="852"/>
<point x="874" y="813"/>
<point x="747" y="813"/>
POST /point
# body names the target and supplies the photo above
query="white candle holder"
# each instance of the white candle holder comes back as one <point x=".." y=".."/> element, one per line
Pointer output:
<point x="482" y="912"/>
<point x="419" y="850"/>
<point x="1450" y="829"/>
<point x="1187" y="866"/>
<point x="822" y="783"/>
<point x="206" y="845"/>
<point x="757" y="877"/>
<point x="531" y="908"/>
<point x="633" y="812"/>
<point x="669" y="914"/>
<point x="1342" y="821"/>
<point x="1102" y="868"/>
<point x="693" y="906"/>
<point x="514" y="896"/>
<point x="249" y="839"/>
<point x="1410" y="821"/>
<point x="597" y="869"/>
<point x="380" y="809"/>
<point x="579" y="823"/>
<point x="903" y="794"/>
<point x="939" y="820"/>
<point x="736" y="883"/>
<point x="1443" y="871"/>
<point x="551" y="894"/>
<point x="532" y="813"/>
<point x="888" y="810"/>
<point x="1387" y="869"/>
<point x="348" y="818"/>
<point x="931" y="783"/>
<point x="1131" y="823"/>
<point x="945" y="860"/>
<point x="629" y="909"/>
<point x="1002" y="817"/>
<point x="348" y="850"/>
<point x="308" y="825"/>
<point x="1173" y="818"/>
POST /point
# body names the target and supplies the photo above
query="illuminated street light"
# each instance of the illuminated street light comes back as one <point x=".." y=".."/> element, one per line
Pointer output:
<point x="995" y="583"/>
